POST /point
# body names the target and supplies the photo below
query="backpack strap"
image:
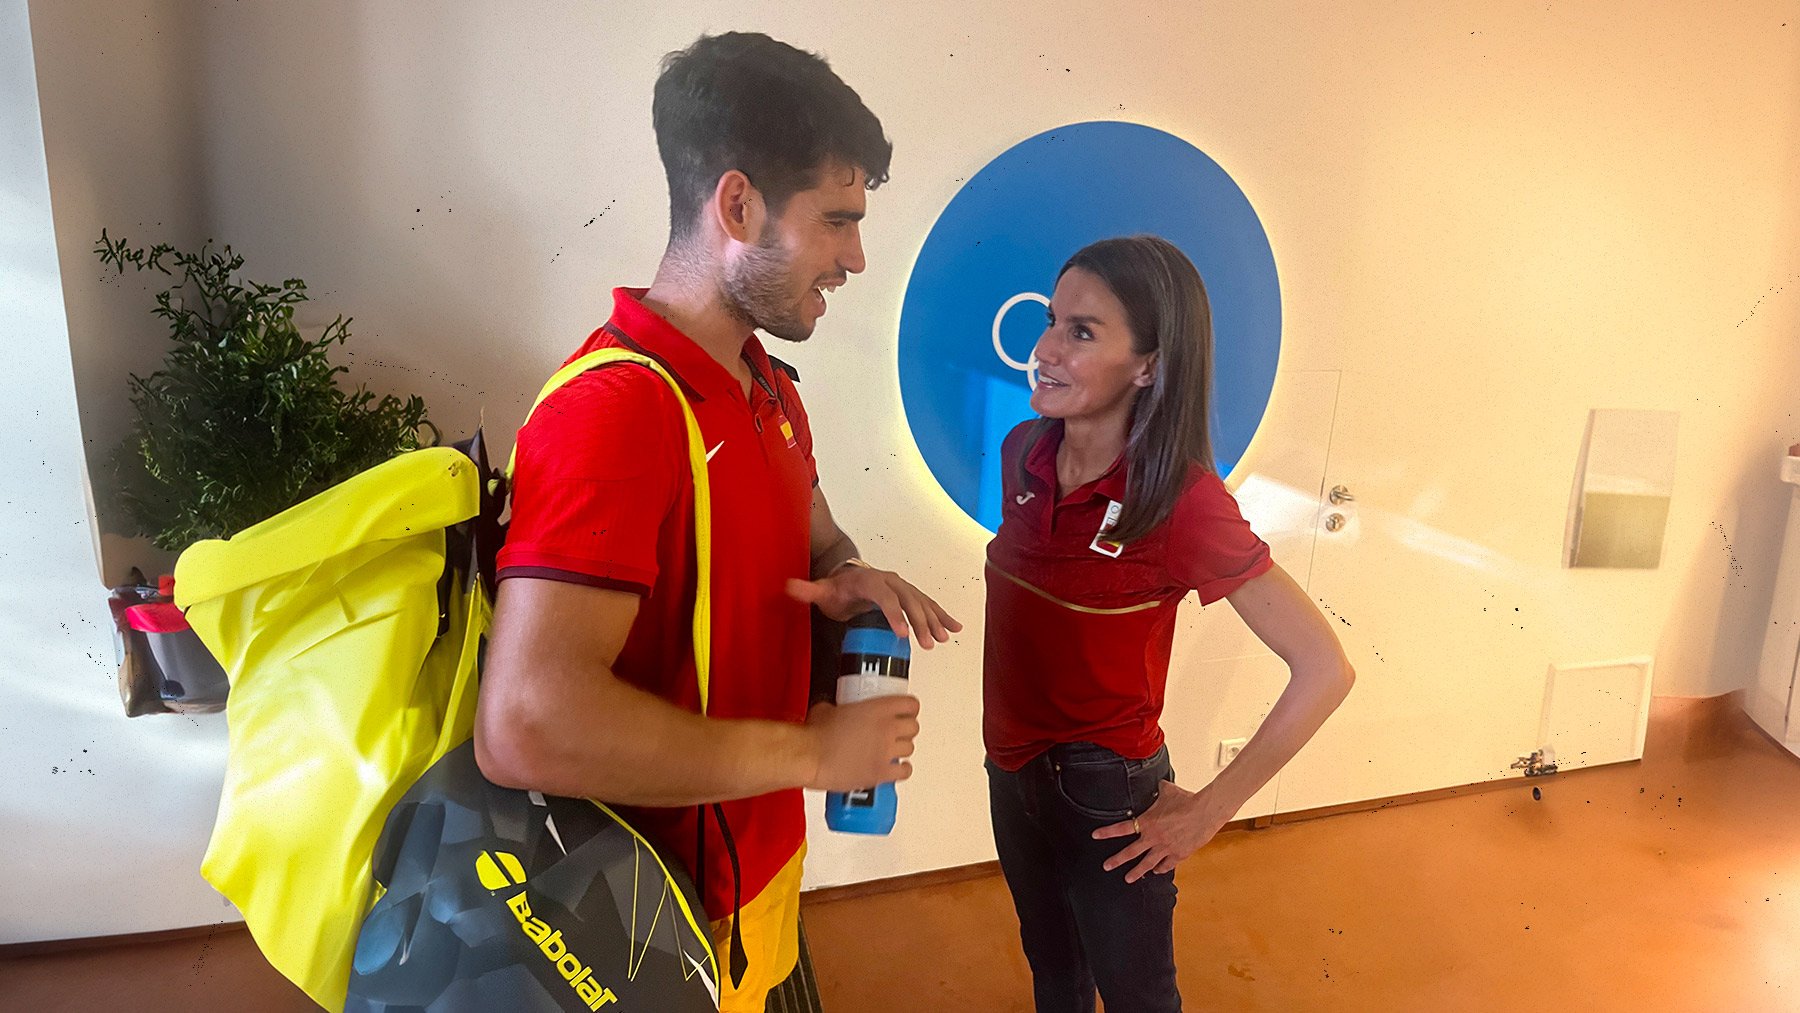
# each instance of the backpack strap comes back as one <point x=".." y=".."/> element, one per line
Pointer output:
<point x="792" y="373"/>
<point x="702" y="492"/>
<point x="702" y="609"/>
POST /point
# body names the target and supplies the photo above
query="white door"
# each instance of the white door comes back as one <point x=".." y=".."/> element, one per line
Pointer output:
<point x="1418" y="572"/>
<point x="1222" y="680"/>
<point x="1772" y="699"/>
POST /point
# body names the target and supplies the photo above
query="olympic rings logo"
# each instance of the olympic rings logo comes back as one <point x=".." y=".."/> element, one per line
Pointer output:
<point x="1029" y="366"/>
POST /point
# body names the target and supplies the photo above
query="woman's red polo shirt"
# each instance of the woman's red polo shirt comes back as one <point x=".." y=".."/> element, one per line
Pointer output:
<point x="1078" y="628"/>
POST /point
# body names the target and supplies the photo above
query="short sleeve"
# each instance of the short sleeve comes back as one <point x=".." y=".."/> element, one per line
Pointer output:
<point x="1212" y="549"/>
<point x="596" y="475"/>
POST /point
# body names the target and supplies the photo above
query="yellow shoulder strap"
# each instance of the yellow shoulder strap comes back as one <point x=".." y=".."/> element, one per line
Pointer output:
<point x="702" y="493"/>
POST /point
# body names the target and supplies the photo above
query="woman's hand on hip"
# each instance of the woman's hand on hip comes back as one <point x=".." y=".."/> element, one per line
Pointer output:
<point x="1180" y="823"/>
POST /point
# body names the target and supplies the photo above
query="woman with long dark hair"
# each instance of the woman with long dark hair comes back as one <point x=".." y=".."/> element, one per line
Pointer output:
<point x="1113" y="512"/>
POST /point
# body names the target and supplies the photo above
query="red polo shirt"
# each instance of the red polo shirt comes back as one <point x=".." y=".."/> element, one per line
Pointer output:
<point x="602" y="495"/>
<point x="1078" y="629"/>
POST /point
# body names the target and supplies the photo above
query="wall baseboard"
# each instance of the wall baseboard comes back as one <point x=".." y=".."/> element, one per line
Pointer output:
<point x="36" y="948"/>
<point x="981" y="870"/>
<point x="848" y="891"/>
<point x="1677" y="723"/>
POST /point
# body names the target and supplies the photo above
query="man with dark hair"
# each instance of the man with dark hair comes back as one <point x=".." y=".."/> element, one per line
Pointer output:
<point x="589" y="685"/>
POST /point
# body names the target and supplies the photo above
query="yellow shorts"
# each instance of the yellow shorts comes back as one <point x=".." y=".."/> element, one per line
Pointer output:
<point x="770" y="926"/>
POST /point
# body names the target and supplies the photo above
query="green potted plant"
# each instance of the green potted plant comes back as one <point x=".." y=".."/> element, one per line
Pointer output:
<point x="245" y="418"/>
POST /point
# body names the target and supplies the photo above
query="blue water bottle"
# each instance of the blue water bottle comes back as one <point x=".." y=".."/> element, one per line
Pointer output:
<point x="874" y="663"/>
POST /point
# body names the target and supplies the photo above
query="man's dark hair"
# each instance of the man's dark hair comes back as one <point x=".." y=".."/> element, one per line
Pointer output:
<point x="778" y="115"/>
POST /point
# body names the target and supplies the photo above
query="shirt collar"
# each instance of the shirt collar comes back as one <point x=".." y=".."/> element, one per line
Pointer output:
<point x="758" y="357"/>
<point x="1041" y="464"/>
<point x="700" y="374"/>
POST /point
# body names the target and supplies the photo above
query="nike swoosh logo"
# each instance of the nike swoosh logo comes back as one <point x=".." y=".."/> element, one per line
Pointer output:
<point x="714" y="450"/>
<point x="1025" y="498"/>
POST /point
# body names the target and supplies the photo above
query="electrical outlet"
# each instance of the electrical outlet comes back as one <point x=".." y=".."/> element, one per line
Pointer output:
<point x="1228" y="750"/>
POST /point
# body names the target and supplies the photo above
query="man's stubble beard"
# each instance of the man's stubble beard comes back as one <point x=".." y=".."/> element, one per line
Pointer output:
<point x="757" y="290"/>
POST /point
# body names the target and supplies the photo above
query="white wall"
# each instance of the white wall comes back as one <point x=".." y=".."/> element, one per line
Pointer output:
<point x="122" y="131"/>
<point x="105" y="818"/>
<point x="1488" y="217"/>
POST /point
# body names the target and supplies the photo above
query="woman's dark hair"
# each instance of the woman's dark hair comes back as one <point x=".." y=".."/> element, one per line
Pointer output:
<point x="1169" y="314"/>
<point x="778" y="115"/>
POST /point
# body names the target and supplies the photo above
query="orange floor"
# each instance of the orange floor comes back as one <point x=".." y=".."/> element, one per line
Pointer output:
<point x="1673" y="884"/>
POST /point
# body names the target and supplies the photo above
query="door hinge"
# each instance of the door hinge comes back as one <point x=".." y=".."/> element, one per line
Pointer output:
<point x="1541" y="763"/>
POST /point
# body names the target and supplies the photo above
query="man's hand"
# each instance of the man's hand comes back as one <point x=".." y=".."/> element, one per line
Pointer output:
<point x="1180" y="823"/>
<point x="863" y="744"/>
<point x="850" y="591"/>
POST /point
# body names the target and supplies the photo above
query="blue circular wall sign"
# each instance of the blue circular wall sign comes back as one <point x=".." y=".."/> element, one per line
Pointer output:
<point x="974" y="305"/>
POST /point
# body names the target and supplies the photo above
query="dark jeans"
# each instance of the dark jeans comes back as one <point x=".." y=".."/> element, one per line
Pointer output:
<point x="1082" y="926"/>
